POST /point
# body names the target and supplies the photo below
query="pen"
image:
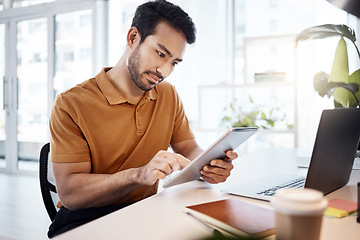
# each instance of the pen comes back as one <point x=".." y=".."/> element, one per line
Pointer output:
<point x="214" y="231"/>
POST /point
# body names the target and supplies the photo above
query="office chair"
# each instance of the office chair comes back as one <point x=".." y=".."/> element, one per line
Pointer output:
<point x="47" y="188"/>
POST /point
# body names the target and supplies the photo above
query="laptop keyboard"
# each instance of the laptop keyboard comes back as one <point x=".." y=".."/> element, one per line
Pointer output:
<point x="296" y="183"/>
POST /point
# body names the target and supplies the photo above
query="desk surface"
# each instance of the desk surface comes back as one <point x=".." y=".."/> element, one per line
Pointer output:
<point x="162" y="215"/>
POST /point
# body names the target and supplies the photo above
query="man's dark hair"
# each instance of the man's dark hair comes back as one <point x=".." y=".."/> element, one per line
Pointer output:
<point x="149" y="14"/>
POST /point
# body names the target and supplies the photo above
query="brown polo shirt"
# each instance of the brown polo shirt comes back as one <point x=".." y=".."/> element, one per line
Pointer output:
<point x="93" y="122"/>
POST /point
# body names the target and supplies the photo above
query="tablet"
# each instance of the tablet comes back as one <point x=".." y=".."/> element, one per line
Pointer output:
<point x="232" y="139"/>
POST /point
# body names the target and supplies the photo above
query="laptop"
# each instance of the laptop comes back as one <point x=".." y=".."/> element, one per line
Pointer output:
<point x="331" y="162"/>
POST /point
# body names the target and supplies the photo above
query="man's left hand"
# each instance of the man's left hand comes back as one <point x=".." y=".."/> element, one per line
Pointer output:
<point x="219" y="169"/>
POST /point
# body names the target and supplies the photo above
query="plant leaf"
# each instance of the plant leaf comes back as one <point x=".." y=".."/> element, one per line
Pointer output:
<point x="325" y="31"/>
<point x="344" y="96"/>
<point x="263" y="115"/>
<point x="340" y="67"/>
<point x="251" y="100"/>
<point x="355" y="79"/>
<point x="340" y="73"/>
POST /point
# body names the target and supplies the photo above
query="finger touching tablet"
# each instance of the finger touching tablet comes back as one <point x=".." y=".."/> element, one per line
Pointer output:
<point x="232" y="139"/>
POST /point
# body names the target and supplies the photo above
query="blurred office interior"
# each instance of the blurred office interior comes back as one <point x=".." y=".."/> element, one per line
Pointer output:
<point x="245" y="49"/>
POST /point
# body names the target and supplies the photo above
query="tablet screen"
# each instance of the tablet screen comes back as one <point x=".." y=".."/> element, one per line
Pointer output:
<point x="232" y="139"/>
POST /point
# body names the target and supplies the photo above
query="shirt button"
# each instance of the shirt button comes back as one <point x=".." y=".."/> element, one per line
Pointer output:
<point x="139" y="123"/>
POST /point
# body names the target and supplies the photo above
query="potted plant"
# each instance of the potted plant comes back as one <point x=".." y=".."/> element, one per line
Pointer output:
<point x="344" y="87"/>
<point x="253" y="115"/>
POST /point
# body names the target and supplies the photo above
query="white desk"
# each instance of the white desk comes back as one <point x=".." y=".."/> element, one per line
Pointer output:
<point x="161" y="216"/>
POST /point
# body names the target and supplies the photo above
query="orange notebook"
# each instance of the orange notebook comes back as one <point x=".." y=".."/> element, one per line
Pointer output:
<point x="237" y="217"/>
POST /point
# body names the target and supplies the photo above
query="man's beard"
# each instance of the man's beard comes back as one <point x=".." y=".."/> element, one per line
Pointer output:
<point x="133" y="63"/>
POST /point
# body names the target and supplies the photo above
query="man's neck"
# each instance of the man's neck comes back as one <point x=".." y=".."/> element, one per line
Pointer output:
<point x="120" y="78"/>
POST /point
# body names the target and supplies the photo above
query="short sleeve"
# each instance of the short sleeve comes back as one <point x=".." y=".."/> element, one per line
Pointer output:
<point x="67" y="142"/>
<point x="182" y="130"/>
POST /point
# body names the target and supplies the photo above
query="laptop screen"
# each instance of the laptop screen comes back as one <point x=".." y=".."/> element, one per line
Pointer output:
<point x="334" y="150"/>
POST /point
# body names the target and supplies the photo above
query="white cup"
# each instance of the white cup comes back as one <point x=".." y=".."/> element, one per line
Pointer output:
<point x="298" y="213"/>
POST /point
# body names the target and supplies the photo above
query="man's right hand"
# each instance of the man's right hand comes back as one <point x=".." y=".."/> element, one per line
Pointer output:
<point x="161" y="165"/>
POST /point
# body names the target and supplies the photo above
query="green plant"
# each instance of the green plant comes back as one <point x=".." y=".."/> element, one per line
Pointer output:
<point x="344" y="87"/>
<point x="252" y="115"/>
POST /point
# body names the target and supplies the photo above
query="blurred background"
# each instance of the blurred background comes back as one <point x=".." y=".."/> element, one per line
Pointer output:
<point x="244" y="58"/>
<point x="243" y="70"/>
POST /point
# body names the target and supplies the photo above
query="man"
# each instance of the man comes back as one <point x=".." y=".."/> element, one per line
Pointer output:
<point x="110" y="134"/>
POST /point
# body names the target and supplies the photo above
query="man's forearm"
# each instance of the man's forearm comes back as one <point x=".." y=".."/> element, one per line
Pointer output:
<point x="188" y="148"/>
<point x="194" y="153"/>
<point x="94" y="190"/>
<point x="78" y="188"/>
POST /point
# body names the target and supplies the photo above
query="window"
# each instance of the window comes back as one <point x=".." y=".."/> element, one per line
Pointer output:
<point x="2" y="97"/>
<point x="31" y="88"/>
<point x="49" y="49"/>
<point x="25" y="3"/>
<point x="240" y="30"/>
<point x="119" y="20"/>
<point x="85" y="20"/>
<point x="73" y="48"/>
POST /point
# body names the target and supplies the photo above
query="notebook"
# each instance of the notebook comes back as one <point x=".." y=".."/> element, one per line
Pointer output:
<point x="331" y="162"/>
<point x="237" y="217"/>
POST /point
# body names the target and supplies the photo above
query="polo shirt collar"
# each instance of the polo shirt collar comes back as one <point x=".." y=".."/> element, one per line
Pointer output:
<point x="112" y="95"/>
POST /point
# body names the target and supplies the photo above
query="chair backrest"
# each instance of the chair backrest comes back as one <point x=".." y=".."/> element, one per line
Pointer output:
<point x="47" y="188"/>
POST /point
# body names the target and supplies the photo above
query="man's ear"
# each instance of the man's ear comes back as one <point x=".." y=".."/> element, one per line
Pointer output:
<point x="133" y="36"/>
